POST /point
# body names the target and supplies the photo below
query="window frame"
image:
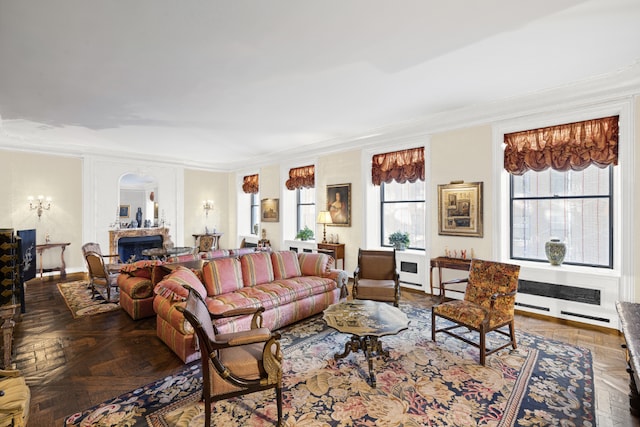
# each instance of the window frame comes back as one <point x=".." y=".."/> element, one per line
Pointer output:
<point x="610" y="197"/>
<point x="299" y="204"/>
<point x="383" y="202"/>
<point x="254" y="202"/>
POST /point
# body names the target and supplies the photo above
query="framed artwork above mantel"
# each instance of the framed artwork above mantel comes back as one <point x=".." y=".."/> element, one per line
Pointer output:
<point x="460" y="209"/>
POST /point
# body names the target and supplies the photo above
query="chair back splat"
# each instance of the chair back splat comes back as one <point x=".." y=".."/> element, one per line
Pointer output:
<point x="376" y="277"/>
<point x="488" y="305"/>
<point x="238" y="363"/>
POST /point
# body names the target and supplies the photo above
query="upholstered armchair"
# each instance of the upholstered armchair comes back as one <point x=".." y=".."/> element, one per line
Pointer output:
<point x="376" y="277"/>
<point x="238" y="363"/>
<point x="488" y="305"/>
<point x="99" y="276"/>
<point x="15" y="397"/>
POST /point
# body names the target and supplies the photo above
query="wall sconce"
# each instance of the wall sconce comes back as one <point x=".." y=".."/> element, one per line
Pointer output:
<point x="207" y="205"/>
<point x="39" y="205"/>
<point x="324" y="218"/>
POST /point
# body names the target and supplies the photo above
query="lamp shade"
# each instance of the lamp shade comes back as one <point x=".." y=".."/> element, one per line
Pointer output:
<point x="324" y="217"/>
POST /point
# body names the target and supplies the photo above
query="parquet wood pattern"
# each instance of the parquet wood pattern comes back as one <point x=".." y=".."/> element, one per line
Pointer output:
<point x="72" y="364"/>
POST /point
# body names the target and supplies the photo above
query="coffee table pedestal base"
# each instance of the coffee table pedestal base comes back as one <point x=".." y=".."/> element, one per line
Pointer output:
<point x="370" y="346"/>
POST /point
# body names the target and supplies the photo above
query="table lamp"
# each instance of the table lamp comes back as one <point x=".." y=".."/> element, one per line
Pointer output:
<point x="324" y="218"/>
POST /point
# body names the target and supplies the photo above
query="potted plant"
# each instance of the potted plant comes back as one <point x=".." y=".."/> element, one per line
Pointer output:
<point x="399" y="240"/>
<point x="305" y="234"/>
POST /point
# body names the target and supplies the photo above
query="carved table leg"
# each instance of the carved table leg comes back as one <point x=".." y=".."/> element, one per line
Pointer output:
<point x="352" y="345"/>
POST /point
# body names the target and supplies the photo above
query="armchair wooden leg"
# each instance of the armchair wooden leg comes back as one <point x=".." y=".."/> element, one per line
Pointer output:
<point x="512" y="333"/>
<point x="483" y="346"/>
<point x="279" y="404"/>
<point x="433" y="326"/>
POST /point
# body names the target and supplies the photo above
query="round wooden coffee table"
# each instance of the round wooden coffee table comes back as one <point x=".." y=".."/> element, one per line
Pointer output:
<point x="366" y="321"/>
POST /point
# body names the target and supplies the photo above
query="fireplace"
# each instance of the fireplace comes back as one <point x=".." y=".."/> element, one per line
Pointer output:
<point x="132" y="241"/>
<point x="129" y="247"/>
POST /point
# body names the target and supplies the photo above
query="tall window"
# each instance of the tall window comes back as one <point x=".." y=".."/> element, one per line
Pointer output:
<point x="255" y="213"/>
<point x="302" y="180"/>
<point x="562" y="186"/>
<point x="574" y="206"/>
<point x="402" y="208"/>
<point x="400" y="175"/>
<point x="251" y="185"/>
<point x="306" y="212"/>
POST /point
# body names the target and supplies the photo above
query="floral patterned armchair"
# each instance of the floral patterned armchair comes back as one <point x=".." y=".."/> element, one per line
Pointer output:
<point x="488" y="305"/>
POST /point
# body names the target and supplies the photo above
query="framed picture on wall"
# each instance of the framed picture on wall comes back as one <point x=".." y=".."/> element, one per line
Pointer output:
<point x="339" y="204"/>
<point x="124" y="211"/>
<point x="270" y="210"/>
<point x="460" y="209"/>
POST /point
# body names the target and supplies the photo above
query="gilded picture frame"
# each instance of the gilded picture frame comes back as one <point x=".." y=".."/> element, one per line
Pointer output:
<point x="460" y="209"/>
<point x="339" y="204"/>
<point x="124" y="211"/>
<point x="270" y="210"/>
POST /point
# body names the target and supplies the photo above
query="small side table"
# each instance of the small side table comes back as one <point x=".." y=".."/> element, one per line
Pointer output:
<point x="336" y="248"/>
<point x="445" y="262"/>
<point x="62" y="269"/>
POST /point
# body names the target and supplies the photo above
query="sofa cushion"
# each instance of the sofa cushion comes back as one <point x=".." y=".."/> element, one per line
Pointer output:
<point x="242" y="251"/>
<point x="314" y="264"/>
<point x="281" y="292"/>
<point x="220" y="253"/>
<point x="285" y="264"/>
<point x="222" y="276"/>
<point x="256" y="268"/>
<point x="173" y="285"/>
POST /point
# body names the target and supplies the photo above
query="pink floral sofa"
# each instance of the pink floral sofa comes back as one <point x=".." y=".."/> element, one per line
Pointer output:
<point x="288" y="285"/>
<point x="137" y="280"/>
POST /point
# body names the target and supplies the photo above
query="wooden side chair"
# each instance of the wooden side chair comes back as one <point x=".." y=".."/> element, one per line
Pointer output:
<point x="112" y="261"/>
<point x="488" y="305"/>
<point x="15" y="397"/>
<point x="99" y="275"/>
<point x="376" y="277"/>
<point x="205" y="243"/>
<point x="238" y="363"/>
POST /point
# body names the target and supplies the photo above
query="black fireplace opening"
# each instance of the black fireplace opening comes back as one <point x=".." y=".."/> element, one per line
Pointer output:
<point x="133" y="246"/>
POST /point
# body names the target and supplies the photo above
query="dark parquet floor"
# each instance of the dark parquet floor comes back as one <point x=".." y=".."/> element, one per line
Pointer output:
<point x="72" y="364"/>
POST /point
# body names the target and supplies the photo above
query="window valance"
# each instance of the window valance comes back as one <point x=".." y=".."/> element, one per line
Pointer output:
<point x="570" y="146"/>
<point x="250" y="184"/>
<point x="401" y="166"/>
<point x="302" y="177"/>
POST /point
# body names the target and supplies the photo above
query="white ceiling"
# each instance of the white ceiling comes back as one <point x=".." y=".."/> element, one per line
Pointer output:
<point x="227" y="84"/>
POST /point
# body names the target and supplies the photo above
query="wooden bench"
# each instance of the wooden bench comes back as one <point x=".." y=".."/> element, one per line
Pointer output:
<point x="629" y="314"/>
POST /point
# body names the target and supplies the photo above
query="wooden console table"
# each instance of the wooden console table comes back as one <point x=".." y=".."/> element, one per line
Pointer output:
<point x="334" y="249"/>
<point x="629" y="314"/>
<point x="445" y="262"/>
<point x="216" y="240"/>
<point x="62" y="269"/>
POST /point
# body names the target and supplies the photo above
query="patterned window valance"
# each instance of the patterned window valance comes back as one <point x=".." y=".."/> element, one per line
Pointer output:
<point x="571" y="146"/>
<point x="401" y="166"/>
<point x="302" y="177"/>
<point x="250" y="184"/>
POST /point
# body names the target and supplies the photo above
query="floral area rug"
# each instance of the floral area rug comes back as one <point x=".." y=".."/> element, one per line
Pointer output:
<point x="421" y="383"/>
<point x="77" y="296"/>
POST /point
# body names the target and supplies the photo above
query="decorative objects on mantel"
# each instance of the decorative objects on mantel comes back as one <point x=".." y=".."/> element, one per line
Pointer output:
<point x="555" y="251"/>
<point x="40" y="205"/>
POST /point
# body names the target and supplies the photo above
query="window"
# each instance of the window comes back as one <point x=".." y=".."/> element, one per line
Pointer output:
<point x="402" y="208"/>
<point x="255" y="213"/>
<point x="306" y="208"/>
<point x="574" y="206"/>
